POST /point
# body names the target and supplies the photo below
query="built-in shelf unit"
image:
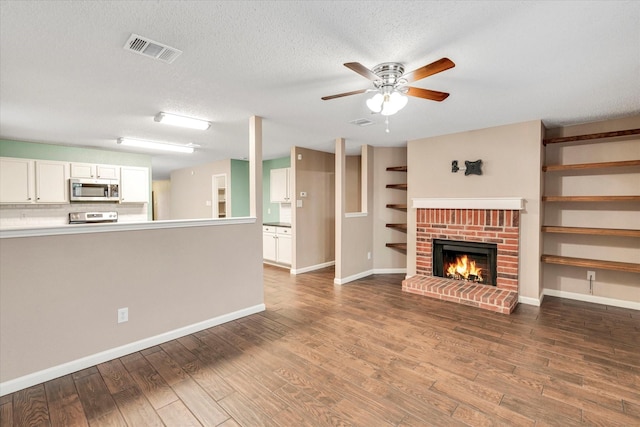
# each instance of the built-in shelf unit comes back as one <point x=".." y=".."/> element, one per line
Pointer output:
<point x="401" y="227"/>
<point x="600" y="201"/>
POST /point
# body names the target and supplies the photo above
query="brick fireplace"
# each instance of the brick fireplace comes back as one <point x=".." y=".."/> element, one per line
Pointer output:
<point x="453" y="220"/>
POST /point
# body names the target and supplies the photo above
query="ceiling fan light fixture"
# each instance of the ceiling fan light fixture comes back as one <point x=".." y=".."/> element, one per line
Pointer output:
<point x="186" y="122"/>
<point x="375" y="103"/>
<point x="155" y="145"/>
<point x="387" y="104"/>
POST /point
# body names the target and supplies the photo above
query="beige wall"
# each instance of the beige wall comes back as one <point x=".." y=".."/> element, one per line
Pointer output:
<point x="161" y="192"/>
<point x="191" y="189"/>
<point x="387" y="259"/>
<point x="512" y="160"/>
<point x="60" y="294"/>
<point x="353" y="184"/>
<point x="608" y="284"/>
<point x="354" y="249"/>
<point x="313" y="223"/>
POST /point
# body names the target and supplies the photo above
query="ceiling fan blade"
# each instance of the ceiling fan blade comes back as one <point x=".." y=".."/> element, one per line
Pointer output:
<point x="362" y="70"/>
<point x="427" y="94"/>
<point x="429" y="70"/>
<point x="340" y="95"/>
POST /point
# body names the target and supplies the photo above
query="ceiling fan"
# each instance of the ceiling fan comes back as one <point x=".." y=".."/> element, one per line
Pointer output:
<point x="391" y="84"/>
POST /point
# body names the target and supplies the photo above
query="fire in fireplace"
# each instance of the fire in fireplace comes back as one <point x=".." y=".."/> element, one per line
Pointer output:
<point x="473" y="262"/>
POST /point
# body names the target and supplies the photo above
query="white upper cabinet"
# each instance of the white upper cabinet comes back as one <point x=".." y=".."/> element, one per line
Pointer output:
<point x="83" y="170"/>
<point x="134" y="184"/>
<point x="17" y="183"/>
<point x="90" y="170"/>
<point x="51" y="182"/>
<point x="107" y="172"/>
<point x="280" y="185"/>
<point x="26" y="181"/>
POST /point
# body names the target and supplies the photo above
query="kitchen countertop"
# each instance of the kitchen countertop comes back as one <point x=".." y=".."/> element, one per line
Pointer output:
<point x="277" y="224"/>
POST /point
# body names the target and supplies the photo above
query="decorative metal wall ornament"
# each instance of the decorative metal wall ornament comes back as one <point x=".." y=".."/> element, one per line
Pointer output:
<point x="471" y="168"/>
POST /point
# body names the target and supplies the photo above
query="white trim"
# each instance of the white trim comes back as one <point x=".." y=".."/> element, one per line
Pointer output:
<point x="593" y="298"/>
<point x="95" y="359"/>
<point x="120" y="226"/>
<point x="345" y="280"/>
<point x="355" y="214"/>
<point x="275" y="264"/>
<point x="312" y="267"/>
<point x="529" y="301"/>
<point x="507" y="203"/>
<point x="389" y="271"/>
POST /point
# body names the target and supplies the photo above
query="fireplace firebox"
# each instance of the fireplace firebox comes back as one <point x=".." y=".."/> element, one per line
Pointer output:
<point x="472" y="262"/>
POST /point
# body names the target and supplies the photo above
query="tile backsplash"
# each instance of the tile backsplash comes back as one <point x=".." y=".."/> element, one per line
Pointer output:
<point x="42" y="215"/>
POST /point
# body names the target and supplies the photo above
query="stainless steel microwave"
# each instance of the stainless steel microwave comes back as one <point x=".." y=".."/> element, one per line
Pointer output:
<point x="94" y="190"/>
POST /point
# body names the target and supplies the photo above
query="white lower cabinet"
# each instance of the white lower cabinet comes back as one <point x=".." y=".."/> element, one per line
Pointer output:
<point x="276" y="244"/>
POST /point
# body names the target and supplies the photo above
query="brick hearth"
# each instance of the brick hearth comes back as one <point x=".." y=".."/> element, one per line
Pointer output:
<point x="500" y="227"/>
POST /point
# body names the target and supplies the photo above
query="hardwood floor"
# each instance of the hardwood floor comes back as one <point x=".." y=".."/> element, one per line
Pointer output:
<point x="364" y="354"/>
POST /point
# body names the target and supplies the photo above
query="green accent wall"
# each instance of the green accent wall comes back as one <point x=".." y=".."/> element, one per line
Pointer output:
<point x="239" y="188"/>
<point x="267" y="165"/>
<point x="33" y="150"/>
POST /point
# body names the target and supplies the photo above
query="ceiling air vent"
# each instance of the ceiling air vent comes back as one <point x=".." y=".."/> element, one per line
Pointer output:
<point x="144" y="46"/>
<point x="361" y="122"/>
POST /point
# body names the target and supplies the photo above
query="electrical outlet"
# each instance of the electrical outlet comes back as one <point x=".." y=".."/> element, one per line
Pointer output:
<point x="591" y="275"/>
<point x="268" y="211"/>
<point x="123" y="315"/>
<point x="368" y="255"/>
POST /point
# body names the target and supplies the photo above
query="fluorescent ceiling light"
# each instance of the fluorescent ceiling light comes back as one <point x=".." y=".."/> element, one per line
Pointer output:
<point x="186" y="122"/>
<point x="154" y="145"/>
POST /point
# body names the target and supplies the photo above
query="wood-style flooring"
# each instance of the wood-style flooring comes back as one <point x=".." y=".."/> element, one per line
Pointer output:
<point x="364" y="354"/>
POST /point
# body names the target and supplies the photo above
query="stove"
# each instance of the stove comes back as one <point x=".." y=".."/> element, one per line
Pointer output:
<point x="92" y="217"/>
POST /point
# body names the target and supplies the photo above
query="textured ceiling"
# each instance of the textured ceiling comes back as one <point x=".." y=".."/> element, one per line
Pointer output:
<point x="65" y="78"/>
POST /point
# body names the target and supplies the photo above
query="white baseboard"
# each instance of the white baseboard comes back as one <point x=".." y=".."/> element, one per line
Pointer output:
<point x="389" y="271"/>
<point x="104" y="356"/>
<point x="312" y="267"/>
<point x="345" y="280"/>
<point x="530" y="301"/>
<point x="592" y="298"/>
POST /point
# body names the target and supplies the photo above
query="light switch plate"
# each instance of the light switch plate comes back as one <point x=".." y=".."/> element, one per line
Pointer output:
<point x="299" y="203"/>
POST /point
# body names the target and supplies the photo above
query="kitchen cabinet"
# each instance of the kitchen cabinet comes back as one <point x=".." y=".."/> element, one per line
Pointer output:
<point x="52" y="182"/>
<point x="17" y="181"/>
<point x="280" y="185"/>
<point x="276" y="244"/>
<point x="89" y="170"/>
<point x="33" y="181"/>
<point x="134" y="184"/>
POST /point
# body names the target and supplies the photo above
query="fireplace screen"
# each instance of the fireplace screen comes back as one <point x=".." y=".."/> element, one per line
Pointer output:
<point x="466" y="261"/>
